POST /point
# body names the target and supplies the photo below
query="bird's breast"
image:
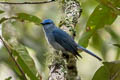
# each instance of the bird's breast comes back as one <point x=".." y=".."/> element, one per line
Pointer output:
<point x="51" y="40"/>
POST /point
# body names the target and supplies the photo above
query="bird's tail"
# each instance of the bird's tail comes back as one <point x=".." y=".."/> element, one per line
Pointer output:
<point x="89" y="52"/>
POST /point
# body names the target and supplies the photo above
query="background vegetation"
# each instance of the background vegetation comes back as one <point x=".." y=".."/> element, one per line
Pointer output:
<point x="98" y="30"/>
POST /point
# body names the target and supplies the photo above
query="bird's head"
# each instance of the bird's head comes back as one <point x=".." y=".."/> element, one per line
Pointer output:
<point x="47" y="22"/>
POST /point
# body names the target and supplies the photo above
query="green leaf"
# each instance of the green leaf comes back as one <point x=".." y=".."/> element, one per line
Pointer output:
<point x="1" y="11"/>
<point x="113" y="4"/>
<point x="96" y="21"/>
<point x="110" y="71"/>
<point x="101" y="16"/>
<point x="25" y="61"/>
<point x="22" y="17"/>
<point x="99" y="44"/>
<point x="101" y="74"/>
<point x="84" y="39"/>
<point x="9" y="78"/>
<point x="118" y="45"/>
<point x="28" y="17"/>
<point x="19" y="52"/>
<point x="113" y="34"/>
<point x="115" y="37"/>
<point x="3" y="19"/>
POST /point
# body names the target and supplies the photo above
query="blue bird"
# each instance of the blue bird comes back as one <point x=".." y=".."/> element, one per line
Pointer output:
<point x="62" y="41"/>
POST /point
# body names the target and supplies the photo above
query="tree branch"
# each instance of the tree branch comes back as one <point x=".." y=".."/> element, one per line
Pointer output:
<point x="10" y="53"/>
<point x="67" y="69"/>
<point x="27" y="2"/>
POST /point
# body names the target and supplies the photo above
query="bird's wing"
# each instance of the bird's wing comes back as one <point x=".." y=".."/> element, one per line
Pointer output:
<point x="66" y="41"/>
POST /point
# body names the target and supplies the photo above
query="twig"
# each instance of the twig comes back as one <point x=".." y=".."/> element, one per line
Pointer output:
<point x="27" y="2"/>
<point x="10" y="53"/>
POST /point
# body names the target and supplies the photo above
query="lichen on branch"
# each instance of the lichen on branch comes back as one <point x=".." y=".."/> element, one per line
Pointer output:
<point x="72" y="11"/>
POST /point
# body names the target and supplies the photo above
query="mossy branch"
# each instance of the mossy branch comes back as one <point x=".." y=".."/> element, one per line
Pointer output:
<point x="72" y="11"/>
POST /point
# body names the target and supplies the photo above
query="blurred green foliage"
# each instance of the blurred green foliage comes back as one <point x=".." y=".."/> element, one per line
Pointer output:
<point x="1" y="11"/>
<point x="110" y="71"/>
<point x="97" y="28"/>
<point x="9" y="78"/>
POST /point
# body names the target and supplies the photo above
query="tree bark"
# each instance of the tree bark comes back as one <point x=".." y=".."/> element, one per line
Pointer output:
<point x="64" y="67"/>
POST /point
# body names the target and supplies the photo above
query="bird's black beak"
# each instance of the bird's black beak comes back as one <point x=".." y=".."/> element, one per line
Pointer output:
<point x="41" y="23"/>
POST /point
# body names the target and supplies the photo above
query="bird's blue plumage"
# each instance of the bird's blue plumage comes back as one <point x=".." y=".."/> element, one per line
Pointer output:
<point x="65" y="41"/>
<point x="60" y="40"/>
<point x="47" y="21"/>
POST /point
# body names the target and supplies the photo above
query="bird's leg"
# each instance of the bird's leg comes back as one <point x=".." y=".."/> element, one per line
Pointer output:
<point x="65" y="55"/>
